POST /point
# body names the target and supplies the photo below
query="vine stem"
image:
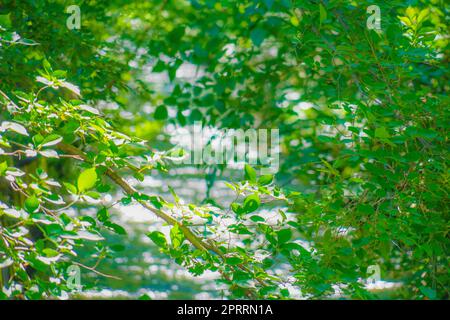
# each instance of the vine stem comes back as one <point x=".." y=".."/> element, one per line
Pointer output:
<point x="96" y="271"/>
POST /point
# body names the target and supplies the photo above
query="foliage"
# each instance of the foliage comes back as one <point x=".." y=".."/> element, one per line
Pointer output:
<point x="363" y="117"/>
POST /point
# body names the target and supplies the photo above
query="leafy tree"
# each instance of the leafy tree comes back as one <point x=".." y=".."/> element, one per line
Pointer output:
<point x="362" y="115"/>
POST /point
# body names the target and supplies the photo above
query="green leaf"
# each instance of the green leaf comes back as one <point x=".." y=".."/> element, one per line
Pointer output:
<point x="265" y="179"/>
<point x="158" y="238"/>
<point x="156" y="202"/>
<point x="89" y="109"/>
<point x="31" y="204"/>
<point x="176" y="236"/>
<point x="269" y="3"/>
<point x="51" y="140"/>
<point x="93" y="195"/>
<point x="87" y="235"/>
<point x="257" y="218"/>
<point x="195" y="115"/>
<point x="428" y="292"/>
<point x="250" y="173"/>
<point x="115" y="227"/>
<point x="70" y="187"/>
<point x="87" y="179"/>
<point x="236" y="208"/>
<point x="12" y="213"/>
<point x="126" y="200"/>
<point x="117" y="247"/>
<point x="159" y="66"/>
<point x="382" y="133"/>
<point x="284" y="235"/>
<point x="251" y="203"/>
<point x="6" y="262"/>
<point x="69" y="86"/>
<point x="161" y="113"/>
<point x="3" y="168"/>
<point x="234" y="261"/>
<point x="7" y="125"/>
<point x="174" y="195"/>
<point x="50" y="252"/>
<point x="284" y="293"/>
<point x="47" y="66"/>
<point x="257" y="36"/>
<point x="37" y="139"/>
<point x="103" y="215"/>
<point x="323" y="13"/>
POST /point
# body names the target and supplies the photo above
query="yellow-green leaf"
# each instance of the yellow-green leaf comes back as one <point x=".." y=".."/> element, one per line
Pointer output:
<point x="87" y="179"/>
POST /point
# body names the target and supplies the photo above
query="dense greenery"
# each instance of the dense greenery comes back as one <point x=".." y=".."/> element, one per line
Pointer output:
<point x="363" y="118"/>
